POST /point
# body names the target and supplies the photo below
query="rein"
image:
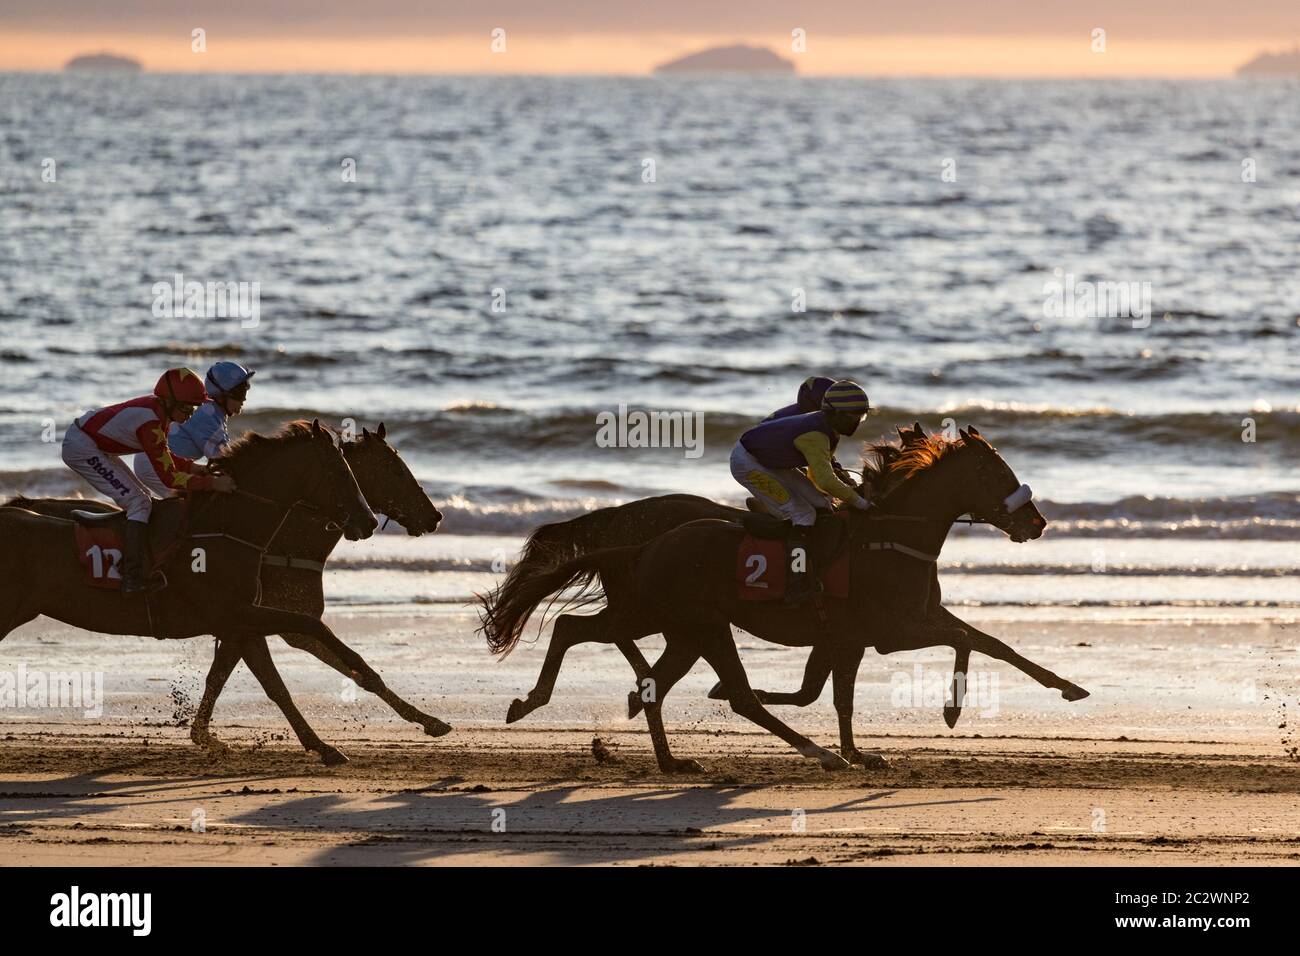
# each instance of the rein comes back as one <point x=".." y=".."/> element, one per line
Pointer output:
<point x="288" y="510"/>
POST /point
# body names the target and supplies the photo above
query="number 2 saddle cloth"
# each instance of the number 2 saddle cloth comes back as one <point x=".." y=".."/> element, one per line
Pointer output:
<point x="763" y="557"/>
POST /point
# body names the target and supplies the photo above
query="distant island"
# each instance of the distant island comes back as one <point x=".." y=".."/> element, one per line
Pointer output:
<point x="728" y="59"/>
<point x="104" y="62"/>
<point x="1273" y="64"/>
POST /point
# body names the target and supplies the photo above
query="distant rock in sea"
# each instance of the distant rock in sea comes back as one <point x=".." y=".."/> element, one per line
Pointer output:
<point x="729" y="59"/>
<point x="1273" y="64"/>
<point x="104" y="62"/>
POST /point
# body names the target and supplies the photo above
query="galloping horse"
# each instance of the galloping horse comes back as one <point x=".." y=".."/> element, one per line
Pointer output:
<point x="291" y="579"/>
<point x="639" y="522"/>
<point x="682" y="584"/>
<point x="298" y="470"/>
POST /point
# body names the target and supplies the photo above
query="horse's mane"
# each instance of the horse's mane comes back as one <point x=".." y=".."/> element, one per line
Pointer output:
<point x="252" y="447"/>
<point x="887" y="464"/>
<point x="19" y="501"/>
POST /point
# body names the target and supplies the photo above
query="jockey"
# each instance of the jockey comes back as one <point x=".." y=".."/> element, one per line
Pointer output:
<point x="809" y="399"/>
<point x="93" y="443"/>
<point x="205" y="434"/>
<point x="769" y="460"/>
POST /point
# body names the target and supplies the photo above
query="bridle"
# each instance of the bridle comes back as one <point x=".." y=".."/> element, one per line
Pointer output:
<point x="333" y="520"/>
<point x="1000" y="518"/>
<point x="1004" y="511"/>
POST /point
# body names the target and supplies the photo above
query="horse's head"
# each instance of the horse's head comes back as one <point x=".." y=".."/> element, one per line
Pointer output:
<point x="996" y="495"/>
<point x="952" y="478"/>
<point x="388" y="485"/>
<point x="301" y="463"/>
<point x="333" y="488"/>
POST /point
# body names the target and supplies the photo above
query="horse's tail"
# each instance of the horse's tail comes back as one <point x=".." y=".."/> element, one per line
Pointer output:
<point x="558" y="543"/>
<point x="506" y="609"/>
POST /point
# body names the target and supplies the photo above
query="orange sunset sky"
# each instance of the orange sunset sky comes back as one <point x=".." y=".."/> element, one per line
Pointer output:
<point x="1175" y="38"/>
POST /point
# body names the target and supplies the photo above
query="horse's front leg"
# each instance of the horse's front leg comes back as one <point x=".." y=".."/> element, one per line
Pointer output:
<point x="990" y="645"/>
<point x="815" y="675"/>
<point x="265" y="621"/>
<point x="847" y="660"/>
<point x="258" y="658"/>
<point x="957" y="691"/>
<point x="371" y="681"/>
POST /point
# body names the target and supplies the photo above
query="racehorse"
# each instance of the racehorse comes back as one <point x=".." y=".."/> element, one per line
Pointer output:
<point x="212" y="546"/>
<point x="682" y="584"/>
<point x="291" y="579"/>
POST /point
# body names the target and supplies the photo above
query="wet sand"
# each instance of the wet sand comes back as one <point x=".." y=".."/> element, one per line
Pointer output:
<point x="519" y="796"/>
<point x="1183" y="754"/>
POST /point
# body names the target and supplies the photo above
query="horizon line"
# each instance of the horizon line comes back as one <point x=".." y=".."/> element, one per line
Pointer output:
<point x="654" y="74"/>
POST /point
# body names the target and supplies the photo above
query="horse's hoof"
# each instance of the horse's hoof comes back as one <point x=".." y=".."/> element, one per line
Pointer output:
<point x="332" y="757"/>
<point x="518" y="710"/>
<point x="832" y="761"/>
<point x="208" y="742"/>
<point x="1074" y="692"/>
<point x="868" y="761"/>
<point x="717" y="692"/>
<point x="950" y="715"/>
<point x="434" y="727"/>
<point x="678" y="765"/>
<point x="634" y="704"/>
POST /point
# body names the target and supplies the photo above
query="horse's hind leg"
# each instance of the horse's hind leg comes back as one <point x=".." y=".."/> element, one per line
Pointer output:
<point x="654" y="715"/>
<point x="674" y="663"/>
<point x="224" y="661"/>
<point x="570" y="630"/>
<point x="719" y="649"/>
<point x="371" y="681"/>
<point x="259" y="662"/>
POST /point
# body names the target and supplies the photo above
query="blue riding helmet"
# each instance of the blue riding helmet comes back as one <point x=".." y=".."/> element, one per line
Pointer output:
<point x="226" y="378"/>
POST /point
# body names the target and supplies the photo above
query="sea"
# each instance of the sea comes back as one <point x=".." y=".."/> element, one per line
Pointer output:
<point x="1101" y="276"/>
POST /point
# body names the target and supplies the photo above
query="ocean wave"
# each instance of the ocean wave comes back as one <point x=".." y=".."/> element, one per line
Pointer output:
<point x="1081" y="432"/>
<point x="1127" y="604"/>
<point x="497" y="565"/>
<point x="509" y="510"/>
<point x="1269" y="517"/>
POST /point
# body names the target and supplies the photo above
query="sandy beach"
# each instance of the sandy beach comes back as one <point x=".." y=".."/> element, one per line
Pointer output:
<point x="1188" y="759"/>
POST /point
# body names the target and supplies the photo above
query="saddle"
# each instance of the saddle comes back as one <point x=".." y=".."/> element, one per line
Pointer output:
<point x="763" y="558"/>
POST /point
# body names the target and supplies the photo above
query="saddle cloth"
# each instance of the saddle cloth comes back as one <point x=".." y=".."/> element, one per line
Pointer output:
<point x="98" y="536"/>
<point x="763" y="560"/>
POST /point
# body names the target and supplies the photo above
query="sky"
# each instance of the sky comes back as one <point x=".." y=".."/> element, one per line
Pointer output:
<point x="1173" y="38"/>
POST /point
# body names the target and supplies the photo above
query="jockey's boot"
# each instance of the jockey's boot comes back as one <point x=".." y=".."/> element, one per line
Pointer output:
<point x="801" y="582"/>
<point x="135" y="546"/>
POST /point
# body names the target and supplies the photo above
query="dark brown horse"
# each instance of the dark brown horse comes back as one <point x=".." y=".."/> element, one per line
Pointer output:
<point x="291" y="580"/>
<point x="682" y="585"/>
<point x="212" y="567"/>
<point x="638" y="522"/>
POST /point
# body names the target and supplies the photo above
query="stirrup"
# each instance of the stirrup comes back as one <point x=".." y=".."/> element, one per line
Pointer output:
<point x="153" y="582"/>
<point x="812" y="588"/>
